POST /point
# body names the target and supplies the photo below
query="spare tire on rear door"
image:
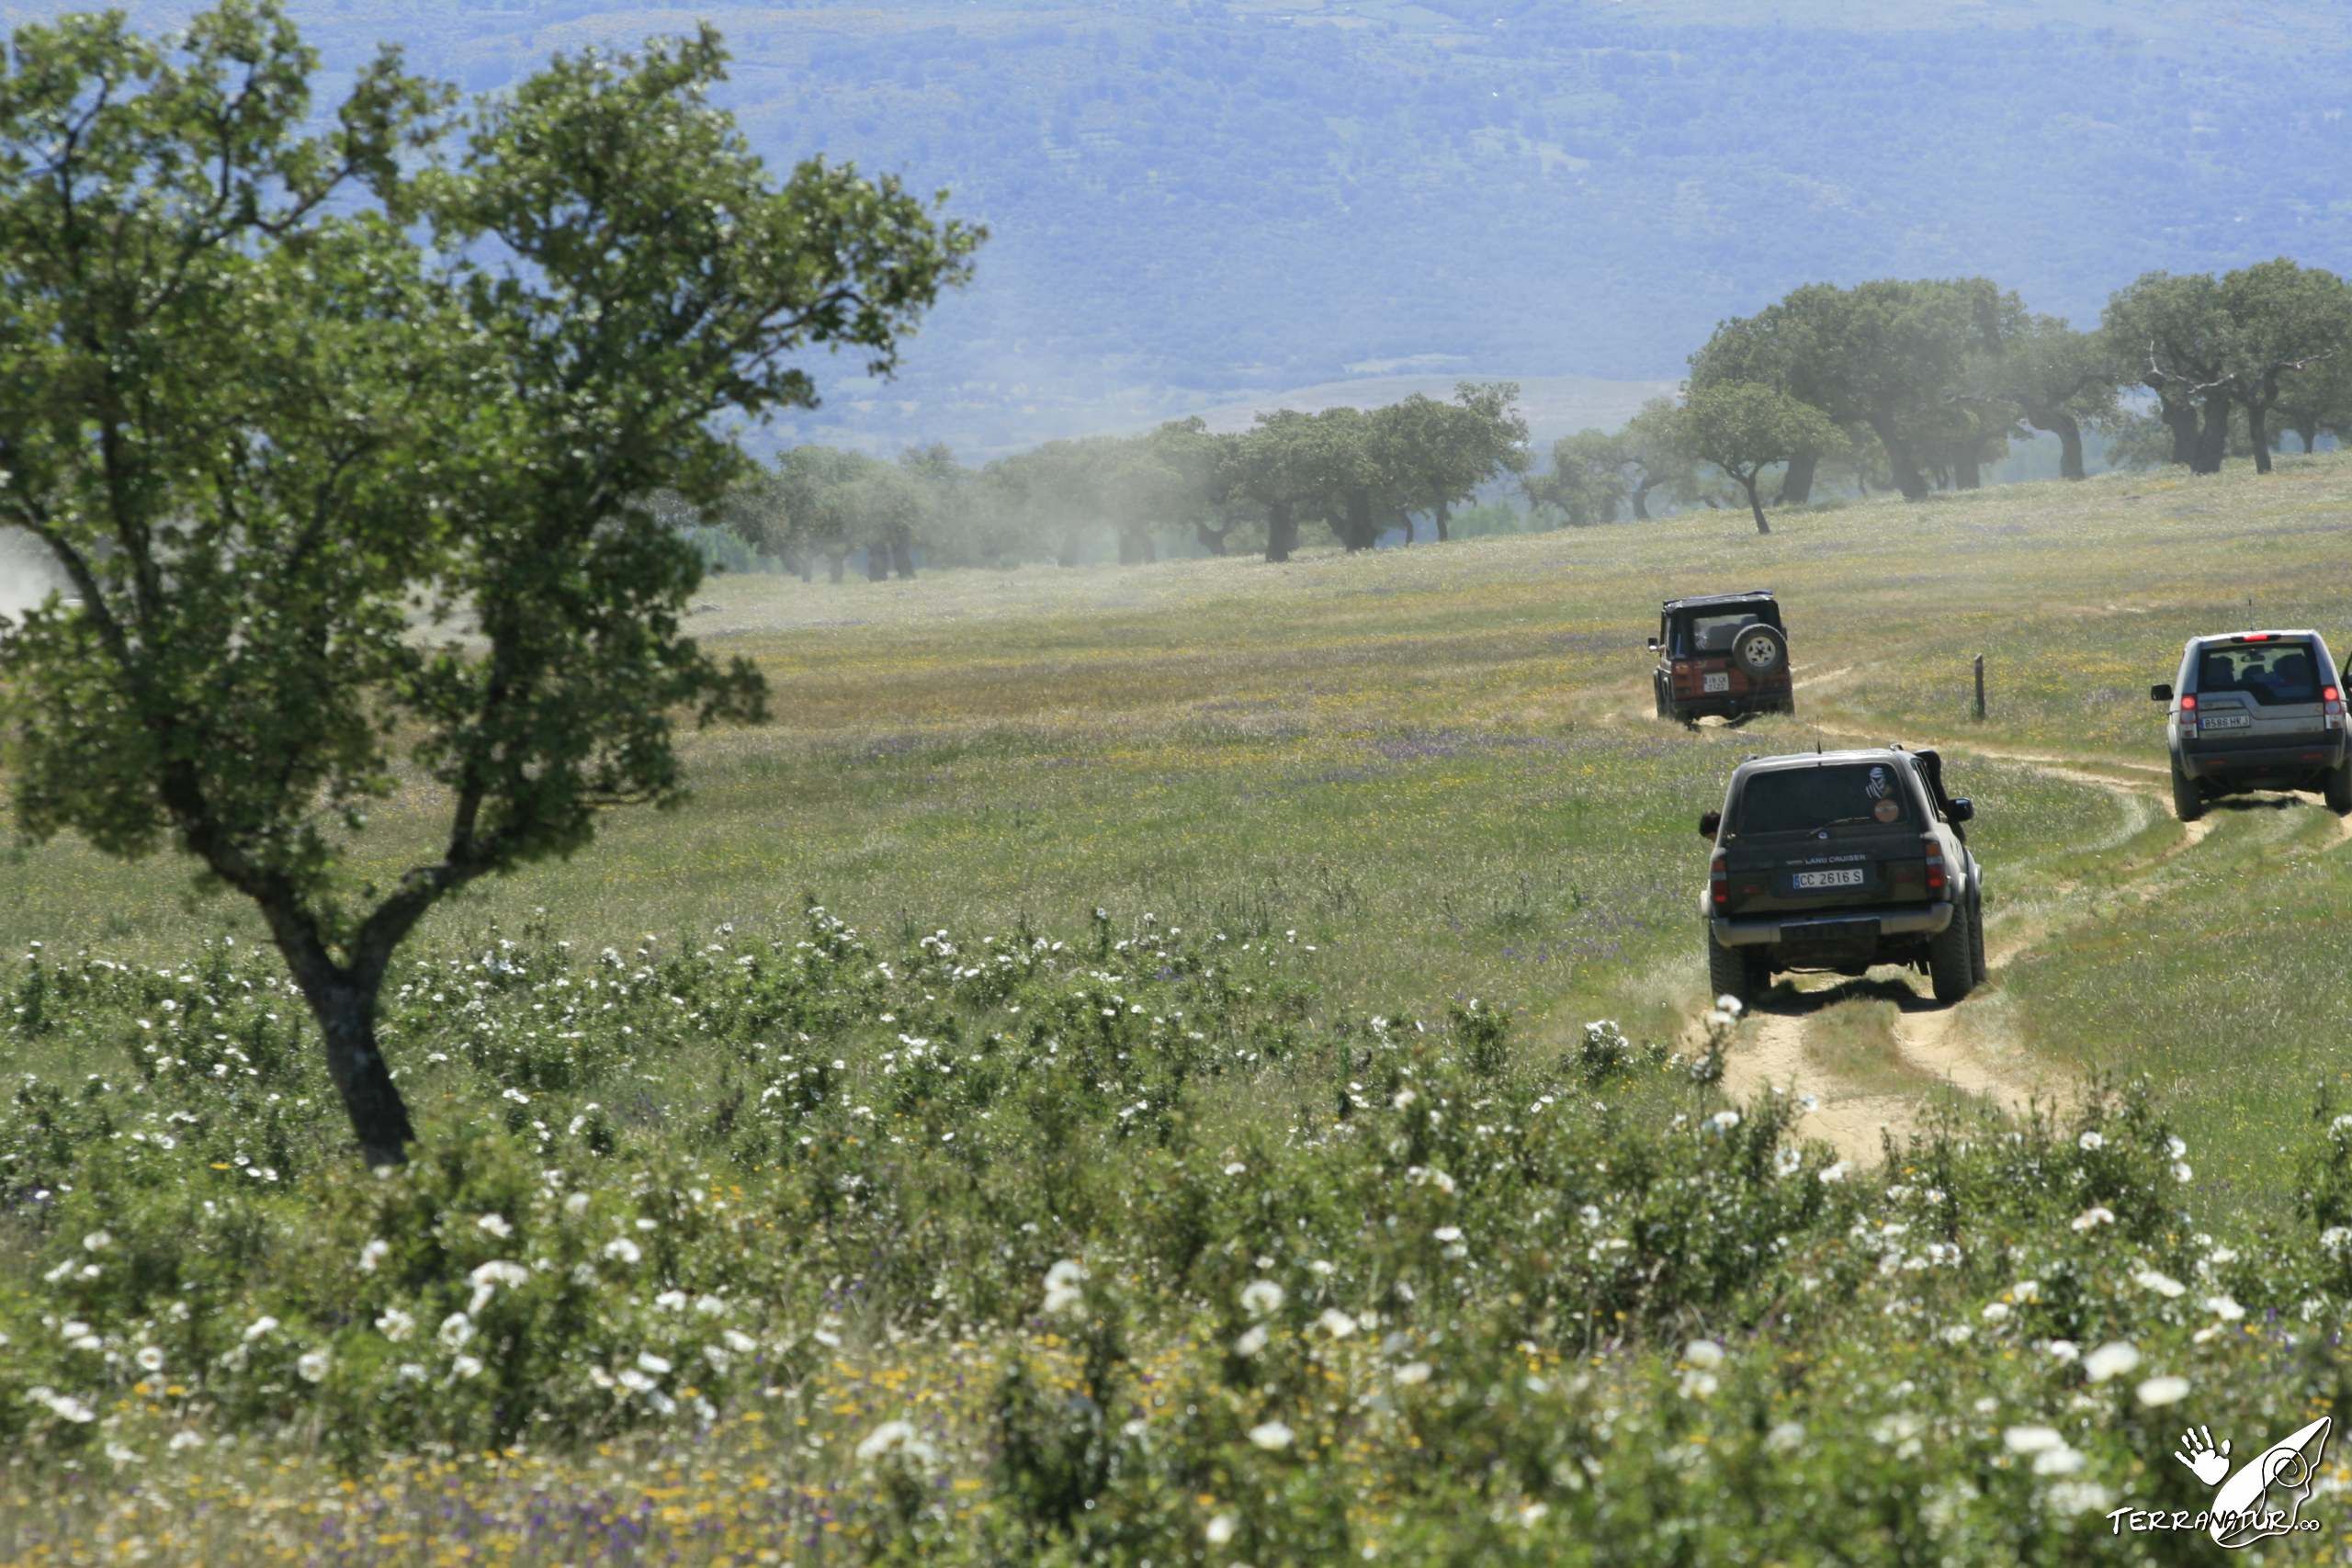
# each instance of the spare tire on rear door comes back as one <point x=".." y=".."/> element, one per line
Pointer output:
<point x="1760" y="648"/>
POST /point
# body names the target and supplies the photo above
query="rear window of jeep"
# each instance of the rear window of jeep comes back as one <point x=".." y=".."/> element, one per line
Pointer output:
<point x="1791" y="800"/>
<point x="1713" y="634"/>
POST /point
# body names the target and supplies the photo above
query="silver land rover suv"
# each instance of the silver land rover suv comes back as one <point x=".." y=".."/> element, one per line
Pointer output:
<point x="2255" y="710"/>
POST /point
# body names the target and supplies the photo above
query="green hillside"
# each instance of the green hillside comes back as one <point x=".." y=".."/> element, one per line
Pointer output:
<point x="1201" y="202"/>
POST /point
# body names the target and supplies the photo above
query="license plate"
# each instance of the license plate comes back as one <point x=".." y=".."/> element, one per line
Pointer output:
<point x="1716" y="682"/>
<point x="1809" y="879"/>
<point x="2228" y="721"/>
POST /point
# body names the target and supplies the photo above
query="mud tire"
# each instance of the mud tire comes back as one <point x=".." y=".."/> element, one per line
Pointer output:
<point x="1952" y="958"/>
<point x="1743" y="974"/>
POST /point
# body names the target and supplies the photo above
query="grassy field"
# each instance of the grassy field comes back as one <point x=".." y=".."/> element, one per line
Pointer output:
<point x="1311" y="804"/>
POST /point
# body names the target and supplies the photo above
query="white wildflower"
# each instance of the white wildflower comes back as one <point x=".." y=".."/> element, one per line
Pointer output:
<point x="2110" y="1361"/>
<point x="1065" y="1286"/>
<point x="1262" y="1298"/>
<point x="2032" y="1439"/>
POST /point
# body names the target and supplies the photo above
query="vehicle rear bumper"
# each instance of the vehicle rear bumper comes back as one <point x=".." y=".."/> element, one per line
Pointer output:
<point x="2315" y="755"/>
<point x="1769" y="930"/>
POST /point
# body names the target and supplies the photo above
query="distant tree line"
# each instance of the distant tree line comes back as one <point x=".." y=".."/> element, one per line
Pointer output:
<point x="1358" y="473"/>
<point x="1909" y="386"/>
<point x="1921" y="384"/>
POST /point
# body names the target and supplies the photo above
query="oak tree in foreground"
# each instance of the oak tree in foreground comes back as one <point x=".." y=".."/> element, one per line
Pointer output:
<point x="343" y="438"/>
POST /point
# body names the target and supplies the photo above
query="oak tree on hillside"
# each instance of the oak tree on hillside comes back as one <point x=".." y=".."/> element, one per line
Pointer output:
<point x="1744" y="429"/>
<point x="2058" y="379"/>
<point x="343" y="437"/>
<point x="1439" y="453"/>
<point x="2283" y="318"/>
<point x="2170" y="331"/>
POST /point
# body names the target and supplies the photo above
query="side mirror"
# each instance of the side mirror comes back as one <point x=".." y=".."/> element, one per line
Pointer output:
<point x="1651" y="645"/>
<point x="2160" y="693"/>
<point x="1961" y="810"/>
<point x="1710" y="823"/>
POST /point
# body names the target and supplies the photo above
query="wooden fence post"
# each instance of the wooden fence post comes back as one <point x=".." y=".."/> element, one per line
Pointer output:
<point x="1979" y="688"/>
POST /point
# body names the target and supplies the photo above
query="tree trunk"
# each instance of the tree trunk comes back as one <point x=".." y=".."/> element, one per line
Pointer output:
<point x="1748" y="484"/>
<point x="877" y="564"/>
<point x="1899" y="458"/>
<point x="2212" y="438"/>
<point x="808" y="568"/>
<point x="1282" y="531"/>
<point x="1641" y="499"/>
<point x="1212" y="539"/>
<point x="1404" y="521"/>
<point x="1967" y="469"/>
<point x="2257" y="427"/>
<point x="903" y="558"/>
<point x="1796" y="483"/>
<point x="2307" y="433"/>
<point x="2069" y="432"/>
<point x="1356" y="529"/>
<point x="1444" y="518"/>
<point x="345" y="1008"/>
<point x="2180" y="418"/>
<point x="836" y="566"/>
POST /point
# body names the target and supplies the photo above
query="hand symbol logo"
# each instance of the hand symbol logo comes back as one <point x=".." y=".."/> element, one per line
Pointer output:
<point x="2204" y="1461"/>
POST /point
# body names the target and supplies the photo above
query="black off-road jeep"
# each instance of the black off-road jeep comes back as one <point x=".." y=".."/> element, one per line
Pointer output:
<point x="1725" y="654"/>
<point x="1838" y="861"/>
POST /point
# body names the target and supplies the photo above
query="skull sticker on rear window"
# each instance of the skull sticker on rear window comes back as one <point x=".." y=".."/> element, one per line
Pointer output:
<point x="1881" y="785"/>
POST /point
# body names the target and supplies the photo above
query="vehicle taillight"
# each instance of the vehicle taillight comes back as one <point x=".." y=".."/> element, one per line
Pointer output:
<point x="2256" y="636"/>
<point x="1935" y="857"/>
<point x="1719" y="881"/>
<point x="2332" y="705"/>
<point x="2188" y="703"/>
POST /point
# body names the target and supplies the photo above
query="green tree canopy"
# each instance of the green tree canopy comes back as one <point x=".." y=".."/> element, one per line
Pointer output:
<point x="273" y="391"/>
<point x="1437" y="453"/>
<point x="2283" y="319"/>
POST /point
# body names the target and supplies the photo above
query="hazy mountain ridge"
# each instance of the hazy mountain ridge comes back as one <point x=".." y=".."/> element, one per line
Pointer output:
<point x="1198" y="204"/>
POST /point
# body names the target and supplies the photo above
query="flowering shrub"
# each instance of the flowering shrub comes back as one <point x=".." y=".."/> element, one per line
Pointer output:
<point x="1005" y="1247"/>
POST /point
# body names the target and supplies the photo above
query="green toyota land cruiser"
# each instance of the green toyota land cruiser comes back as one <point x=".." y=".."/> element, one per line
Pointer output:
<point x="1838" y="861"/>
